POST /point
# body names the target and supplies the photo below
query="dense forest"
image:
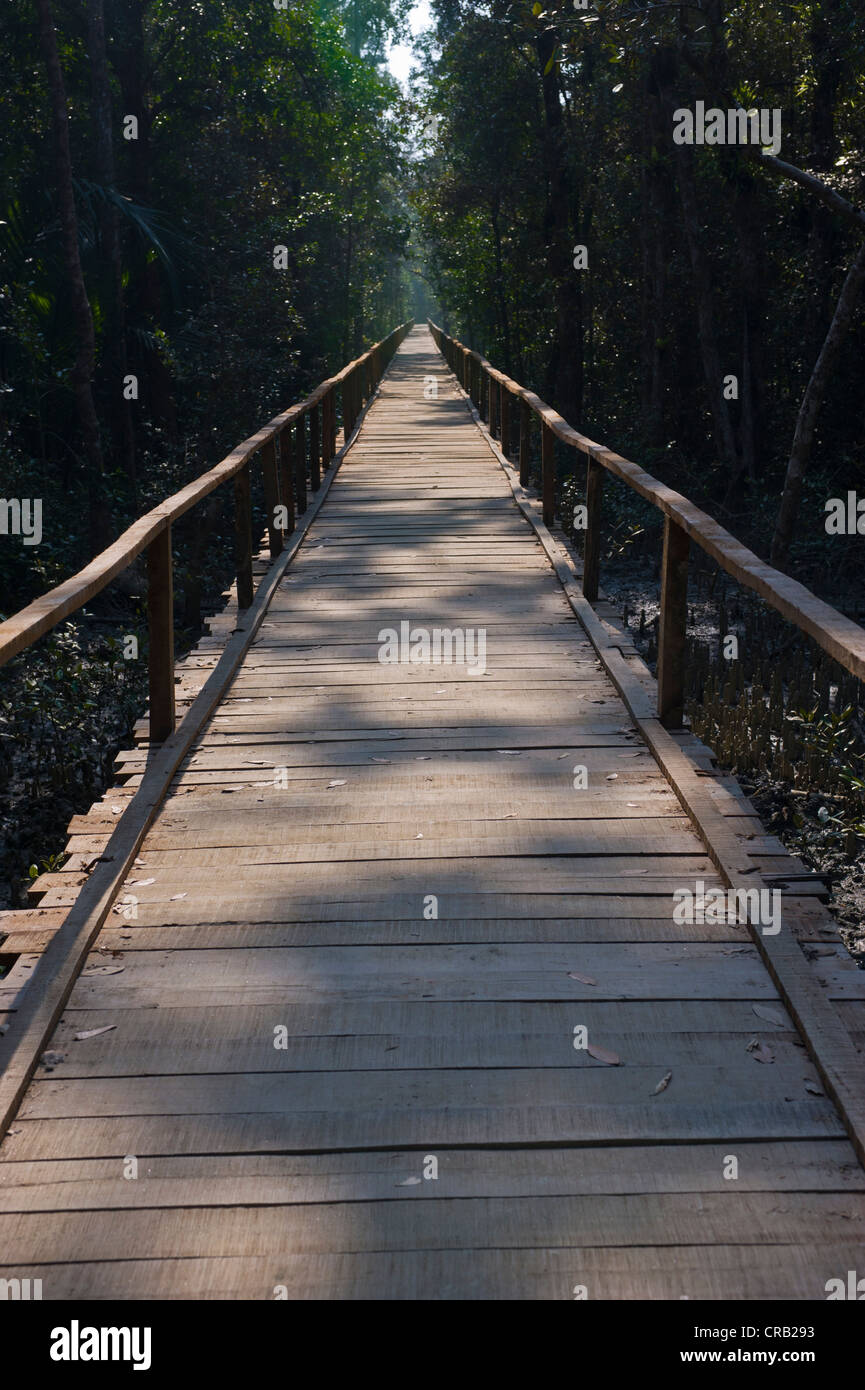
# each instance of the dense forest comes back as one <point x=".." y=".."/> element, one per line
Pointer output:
<point x="695" y="305"/>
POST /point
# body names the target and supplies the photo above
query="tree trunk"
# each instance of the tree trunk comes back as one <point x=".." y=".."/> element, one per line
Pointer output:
<point x="120" y="408"/>
<point x="501" y="299"/>
<point x="565" y="369"/>
<point x="85" y="340"/>
<point x="803" y="439"/>
<point x="722" y="425"/>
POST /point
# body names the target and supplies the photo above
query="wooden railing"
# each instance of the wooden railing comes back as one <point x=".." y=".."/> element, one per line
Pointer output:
<point x="298" y="443"/>
<point x="493" y="394"/>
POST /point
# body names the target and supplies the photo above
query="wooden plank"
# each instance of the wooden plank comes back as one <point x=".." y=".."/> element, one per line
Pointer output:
<point x="733" y="1272"/>
<point x="278" y="1180"/>
<point x="439" y="1223"/>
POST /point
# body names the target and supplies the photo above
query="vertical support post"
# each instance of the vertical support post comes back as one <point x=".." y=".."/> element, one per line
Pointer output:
<point x="592" y="539"/>
<point x="314" y="449"/>
<point x="327" y="431"/>
<point x="286" y="482"/>
<point x="548" y="473"/>
<point x="493" y="396"/>
<point x="673" y="625"/>
<point x="505" y="414"/>
<point x="160" y="623"/>
<point x="271" y="497"/>
<point x="243" y="537"/>
<point x="300" y="462"/>
<point x="525" y="440"/>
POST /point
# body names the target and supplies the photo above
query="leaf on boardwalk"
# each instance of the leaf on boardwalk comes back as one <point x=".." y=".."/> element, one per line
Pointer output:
<point x="611" y="1058"/>
<point x="141" y="882"/>
<point x="611" y="776"/>
<point x="760" y="1052"/>
<point x="408" y="1182"/>
<point x="583" y="979"/>
<point x="663" y="1083"/>
<point x="337" y="782"/>
<point x="813" y="1089"/>
<point x="770" y="1015"/>
<point x="104" y="970"/>
<point x="94" y="1032"/>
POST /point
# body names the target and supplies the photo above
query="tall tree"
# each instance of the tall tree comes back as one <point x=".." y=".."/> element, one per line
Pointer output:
<point x="85" y="351"/>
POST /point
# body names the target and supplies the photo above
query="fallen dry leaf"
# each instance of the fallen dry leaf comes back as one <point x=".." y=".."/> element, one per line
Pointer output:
<point x="760" y="1052"/>
<point x="663" y="1083"/>
<point x="601" y="1053"/>
<point x="812" y="1088"/>
<point x="408" y="1182"/>
<point x="770" y="1015"/>
<point x="611" y="776"/>
<point x="583" y="979"/>
<point x="94" y="1032"/>
<point x="337" y="782"/>
<point x="104" y="970"/>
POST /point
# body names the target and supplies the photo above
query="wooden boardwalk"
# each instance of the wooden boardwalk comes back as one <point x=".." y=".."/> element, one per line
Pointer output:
<point x="372" y="917"/>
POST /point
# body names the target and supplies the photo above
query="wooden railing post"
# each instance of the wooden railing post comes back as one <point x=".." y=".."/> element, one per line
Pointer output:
<point x="673" y="625"/>
<point x="314" y="449"/>
<point x="243" y="537"/>
<point x="592" y="538"/>
<point x="326" y="440"/>
<point x="271" y="497"/>
<point x="525" y="440"/>
<point x="548" y="473"/>
<point x="493" y="398"/>
<point x="505" y="416"/>
<point x="286" y="481"/>
<point x="300" y="462"/>
<point x="160" y="623"/>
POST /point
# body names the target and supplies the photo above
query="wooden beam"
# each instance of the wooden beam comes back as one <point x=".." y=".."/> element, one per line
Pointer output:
<point x="592" y="539"/>
<point x="160" y="622"/>
<point x="525" y="442"/>
<point x="505" y="415"/>
<point x="673" y="623"/>
<point x="315" y="448"/>
<point x="548" y="474"/>
<point x="271" y="497"/>
<point x="300" y="463"/>
<point x="286" y="480"/>
<point x="243" y="537"/>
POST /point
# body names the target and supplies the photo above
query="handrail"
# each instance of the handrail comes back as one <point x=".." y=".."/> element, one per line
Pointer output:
<point x="683" y="522"/>
<point x="289" y="450"/>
